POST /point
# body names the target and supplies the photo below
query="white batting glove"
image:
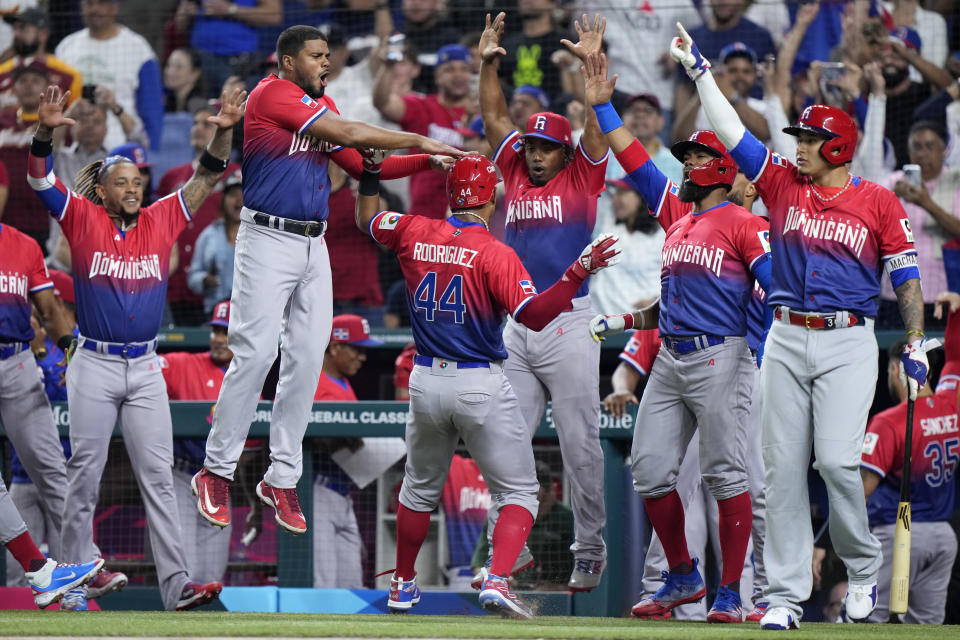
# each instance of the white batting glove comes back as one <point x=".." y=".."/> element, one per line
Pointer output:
<point x="684" y="51"/>
<point x="602" y="325"/>
<point x="914" y="367"/>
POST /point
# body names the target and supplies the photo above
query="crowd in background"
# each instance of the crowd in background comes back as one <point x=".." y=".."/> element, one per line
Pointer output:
<point x="144" y="78"/>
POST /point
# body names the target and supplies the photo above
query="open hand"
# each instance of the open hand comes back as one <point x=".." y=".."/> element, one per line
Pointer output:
<point x="590" y="37"/>
<point x="489" y="47"/>
<point x="947" y="300"/>
<point x="52" y="103"/>
<point x="597" y="88"/>
<point x="435" y="147"/>
<point x="231" y="109"/>
<point x="616" y="403"/>
<point x="443" y="164"/>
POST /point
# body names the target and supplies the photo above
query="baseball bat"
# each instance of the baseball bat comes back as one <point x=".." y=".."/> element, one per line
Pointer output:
<point x="900" y="577"/>
<point x="900" y="580"/>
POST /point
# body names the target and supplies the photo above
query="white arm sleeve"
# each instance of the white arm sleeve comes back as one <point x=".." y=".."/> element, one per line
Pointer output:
<point x="868" y="160"/>
<point x="721" y="114"/>
<point x="780" y="142"/>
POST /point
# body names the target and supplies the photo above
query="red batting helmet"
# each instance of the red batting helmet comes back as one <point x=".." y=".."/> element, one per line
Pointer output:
<point x="721" y="170"/>
<point x="833" y="124"/>
<point x="471" y="182"/>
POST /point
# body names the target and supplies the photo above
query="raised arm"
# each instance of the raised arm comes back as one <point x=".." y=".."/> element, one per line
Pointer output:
<point x="632" y="156"/>
<point x="746" y="150"/>
<point x="493" y="105"/>
<point x="589" y="42"/>
<point x="390" y="105"/>
<point x="213" y="161"/>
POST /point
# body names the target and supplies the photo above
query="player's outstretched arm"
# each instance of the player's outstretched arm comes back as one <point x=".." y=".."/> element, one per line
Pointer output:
<point x="493" y="105"/>
<point x="213" y="161"/>
<point x="544" y="307"/>
<point x="360" y="135"/>
<point x="603" y="325"/>
<point x="749" y="153"/>
<point x="50" y="116"/>
<point x="590" y="40"/>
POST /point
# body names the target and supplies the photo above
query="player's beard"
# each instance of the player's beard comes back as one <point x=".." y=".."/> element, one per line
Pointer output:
<point x="690" y="191"/>
<point x="129" y="218"/>
<point x="24" y="49"/>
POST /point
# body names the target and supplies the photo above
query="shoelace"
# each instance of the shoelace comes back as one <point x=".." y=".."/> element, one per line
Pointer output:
<point x="727" y="599"/>
<point x="221" y="491"/>
<point x="589" y="566"/>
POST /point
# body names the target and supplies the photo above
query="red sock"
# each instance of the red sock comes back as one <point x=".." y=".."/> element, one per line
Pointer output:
<point x="666" y="516"/>
<point x="412" y="528"/>
<point x="26" y="552"/>
<point x="509" y="536"/>
<point x="736" y="520"/>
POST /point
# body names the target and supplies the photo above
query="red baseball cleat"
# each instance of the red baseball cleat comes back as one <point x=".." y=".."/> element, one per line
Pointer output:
<point x="213" y="497"/>
<point x="285" y="502"/>
<point x="195" y="594"/>
<point x="759" y="610"/>
<point x="104" y="583"/>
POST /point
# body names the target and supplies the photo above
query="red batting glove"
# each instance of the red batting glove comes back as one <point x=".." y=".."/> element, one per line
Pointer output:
<point x="599" y="254"/>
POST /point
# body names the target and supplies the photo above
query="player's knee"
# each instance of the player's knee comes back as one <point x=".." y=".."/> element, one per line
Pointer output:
<point x="650" y="479"/>
<point x="725" y="486"/>
<point x="525" y="499"/>
<point x="419" y="498"/>
<point x="838" y="473"/>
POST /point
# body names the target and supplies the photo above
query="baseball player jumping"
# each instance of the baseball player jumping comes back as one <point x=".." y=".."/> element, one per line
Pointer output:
<point x="282" y="285"/>
<point x="704" y="374"/>
<point x="936" y="445"/>
<point x="551" y="201"/>
<point x="121" y="260"/>
<point x="833" y="235"/>
<point x="460" y="282"/>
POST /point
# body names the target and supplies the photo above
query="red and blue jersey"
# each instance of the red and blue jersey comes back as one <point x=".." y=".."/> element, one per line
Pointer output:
<point x="22" y="272"/>
<point x="284" y="167"/>
<point x="192" y="376"/>
<point x="460" y="283"/>
<point x="935" y="454"/>
<point x="549" y="226"/>
<point x="119" y="277"/>
<point x="642" y="350"/>
<point x="829" y="253"/>
<point x="466" y="500"/>
<point x="333" y="390"/>
<point x="709" y="257"/>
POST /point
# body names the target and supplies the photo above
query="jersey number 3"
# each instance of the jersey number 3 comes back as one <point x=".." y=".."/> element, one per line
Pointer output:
<point x="450" y="301"/>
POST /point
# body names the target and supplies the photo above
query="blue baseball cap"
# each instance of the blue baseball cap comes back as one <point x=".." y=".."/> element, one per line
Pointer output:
<point x="738" y="48"/>
<point x="134" y="152"/>
<point x="536" y="92"/>
<point x="453" y="53"/>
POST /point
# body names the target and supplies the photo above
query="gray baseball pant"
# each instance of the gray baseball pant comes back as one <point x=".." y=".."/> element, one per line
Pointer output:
<point x="337" y="546"/>
<point x="562" y="362"/>
<point x="479" y="406"/>
<point x="816" y="389"/>
<point x="102" y="388"/>
<point x="206" y="548"/>
<point x="28" y="421"/>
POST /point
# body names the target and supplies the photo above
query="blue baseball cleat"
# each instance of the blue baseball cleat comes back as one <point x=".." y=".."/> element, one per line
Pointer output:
<point x="54" y="580"/>
<point x="496" y="597"/>
<point x="403" y="594"/>
<point x="726" y="607"/>
<point x="677" y="589"/>
<point x="75" y="600"/>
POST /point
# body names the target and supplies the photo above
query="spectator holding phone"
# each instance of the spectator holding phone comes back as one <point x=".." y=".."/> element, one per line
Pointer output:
<point x="930" y="194"/>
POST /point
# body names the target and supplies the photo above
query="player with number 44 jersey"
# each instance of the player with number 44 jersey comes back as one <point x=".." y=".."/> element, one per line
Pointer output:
<point x="460" y="283"/>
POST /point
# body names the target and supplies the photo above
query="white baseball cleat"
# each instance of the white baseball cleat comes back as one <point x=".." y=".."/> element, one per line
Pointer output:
<point x="859" y="602"/>
<point x="779" y="619"/>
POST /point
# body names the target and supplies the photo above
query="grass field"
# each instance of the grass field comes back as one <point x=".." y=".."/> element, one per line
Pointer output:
<point x="277" y="625"/>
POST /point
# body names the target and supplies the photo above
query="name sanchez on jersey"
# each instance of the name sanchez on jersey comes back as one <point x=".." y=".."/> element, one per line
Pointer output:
<point x="710" y="259"/>
<point x="13" y="283"/>
<point x="438" y="253"/>
<point x="535" y="208"/>
<point x="939" y="425"/>
<point x="107" y="264"/>
<point x="799" y="219"/>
